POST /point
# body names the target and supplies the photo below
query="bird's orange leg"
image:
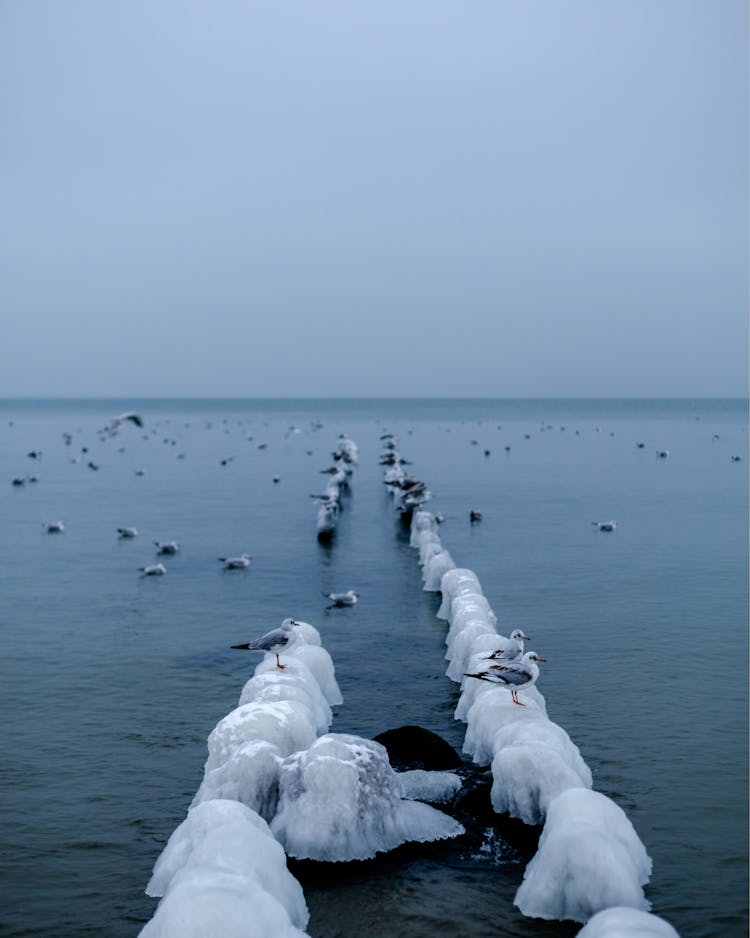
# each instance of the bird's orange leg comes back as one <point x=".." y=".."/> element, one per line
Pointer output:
<point x="279" y="665"/>
<point x="516" y="700"/>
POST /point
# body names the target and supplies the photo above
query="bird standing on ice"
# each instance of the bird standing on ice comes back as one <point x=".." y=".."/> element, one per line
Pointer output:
<point x="273" y="641"/>
<point x="511" y="649"/>
<point x="517" y="675"/>
<point x="349" y="598"/>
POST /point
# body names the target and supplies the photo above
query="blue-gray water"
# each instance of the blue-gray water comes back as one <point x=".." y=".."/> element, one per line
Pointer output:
<point x="111" y="683"/>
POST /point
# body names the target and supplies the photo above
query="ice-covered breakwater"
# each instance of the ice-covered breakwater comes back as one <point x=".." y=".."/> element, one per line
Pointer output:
<point x="276" y="780"/>
<point x="345" y="458"/>
<point x="589" y="857"/>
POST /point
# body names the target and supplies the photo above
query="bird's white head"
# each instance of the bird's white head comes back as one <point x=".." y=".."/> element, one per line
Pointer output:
<point x="519" y="636"/>
<point x="533" y="656"/>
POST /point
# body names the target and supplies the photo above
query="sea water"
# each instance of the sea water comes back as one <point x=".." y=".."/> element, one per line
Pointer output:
<point x="111" y="682"/>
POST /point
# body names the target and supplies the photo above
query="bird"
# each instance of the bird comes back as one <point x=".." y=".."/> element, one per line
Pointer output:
<point x="127" y="532"/>
<point x="129" y="415"/>
<point x="517" y="675"/>
<point x="349" y="598"/>
<point x="662" y="454"/>
<point x="154" y="569"/>
<point x="475" y="516"/>
<point x="236" y="563"/>
<point x="55" y="527"/>
<point x="511" y="649"/>
<point x="166" y="547"/>
<point x="272" y="641"/>
<point x="604" y="525"/>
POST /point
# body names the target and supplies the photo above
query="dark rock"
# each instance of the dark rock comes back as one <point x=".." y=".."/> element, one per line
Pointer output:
<point x="412" y="747"/>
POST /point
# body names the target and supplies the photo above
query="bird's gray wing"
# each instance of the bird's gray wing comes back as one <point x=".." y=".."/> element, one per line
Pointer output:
<point x="267" y="641"/>
<point x="512" y="673"/>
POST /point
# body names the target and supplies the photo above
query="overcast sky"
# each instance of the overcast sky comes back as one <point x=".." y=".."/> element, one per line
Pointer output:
<point x="373" y="197"/>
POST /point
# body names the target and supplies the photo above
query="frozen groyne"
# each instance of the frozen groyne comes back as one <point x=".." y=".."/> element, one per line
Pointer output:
<point x="277" y="780"/>
<point x="345" y="458"/>
<point x="589" y="858"/>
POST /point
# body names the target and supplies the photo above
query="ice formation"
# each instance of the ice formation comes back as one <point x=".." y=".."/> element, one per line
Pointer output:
<point x="589" y="859"/>
<point x="345" y="458"/>
<point x="622" y="922"/>
<point x="589" y="856"/>
<point x="419" y="785"/>
<point x="222" y="873"/>
<point x="341" y="800"/>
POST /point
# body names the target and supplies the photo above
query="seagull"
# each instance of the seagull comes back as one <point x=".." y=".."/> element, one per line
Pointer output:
<point x="475" y="516"/>
<point x="127" y="532"/>
<point x="662" y="453"/>
<point x="55" y="527"/>
<point x="236" y="563"/>
<point x="154" y="569"/>
<point x="273" y="641"/>
<point x="167" y="547"/>
<point x="605" y="525"/>
<point x="517" y="675"/>
<point x="511" y="649"/>
<point x="349" y="598"/>
<point x="129" y="415"/>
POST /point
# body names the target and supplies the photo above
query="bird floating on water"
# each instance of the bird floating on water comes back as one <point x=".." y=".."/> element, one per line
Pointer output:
<point x="55" y="527"/>
<point x="166" y="547"/>
<point x="154" y="569"/>
<point x="236" y="563"/>
<point x="604" y="525"/>
<point x="516" y="675"/>
<point x="273" y="641"/>
<point x="127" y="532"/>
<point x="511" y="649"/>
<point x="349" y="598"/>
<point x="475" y="516"/>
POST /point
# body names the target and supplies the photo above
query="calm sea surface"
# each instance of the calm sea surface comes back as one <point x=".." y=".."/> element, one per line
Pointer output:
<point x="111" y="683"/>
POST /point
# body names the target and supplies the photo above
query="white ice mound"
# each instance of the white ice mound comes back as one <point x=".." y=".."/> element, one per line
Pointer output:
<point x="589" y="858"/>
<point x="204" y="902"/>
<point x="307" y="632"/>
<point x="272" y="685"/>
<point x="320" y="664"/>
<point x="492" y="710"/>
<point x="466" y="608"/>
<point x="419" y="785"/>
<point x="250" y="775"/>
<point x="474" y="689"/>
<point x="422" y="522"/>
<point x="221" y="850"/>
<point x="434" y="568"/>
<point x="288" y="725"/>
<point x="459" y="579"/>
<point x="341" y="800"/>
<point x="535" y="761"/>
<point x="472" y="638"/>
<point x="621" y="922"/>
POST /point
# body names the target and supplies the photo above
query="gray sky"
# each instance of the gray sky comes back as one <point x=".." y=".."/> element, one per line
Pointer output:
<point x="373" y="197"/>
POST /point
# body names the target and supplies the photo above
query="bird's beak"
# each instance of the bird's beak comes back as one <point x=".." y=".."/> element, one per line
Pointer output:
<point x="526" y="638"/>
<point x="541" y="659"/>
<point x="245" y="647"/>
<point x="296" y="623"/>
